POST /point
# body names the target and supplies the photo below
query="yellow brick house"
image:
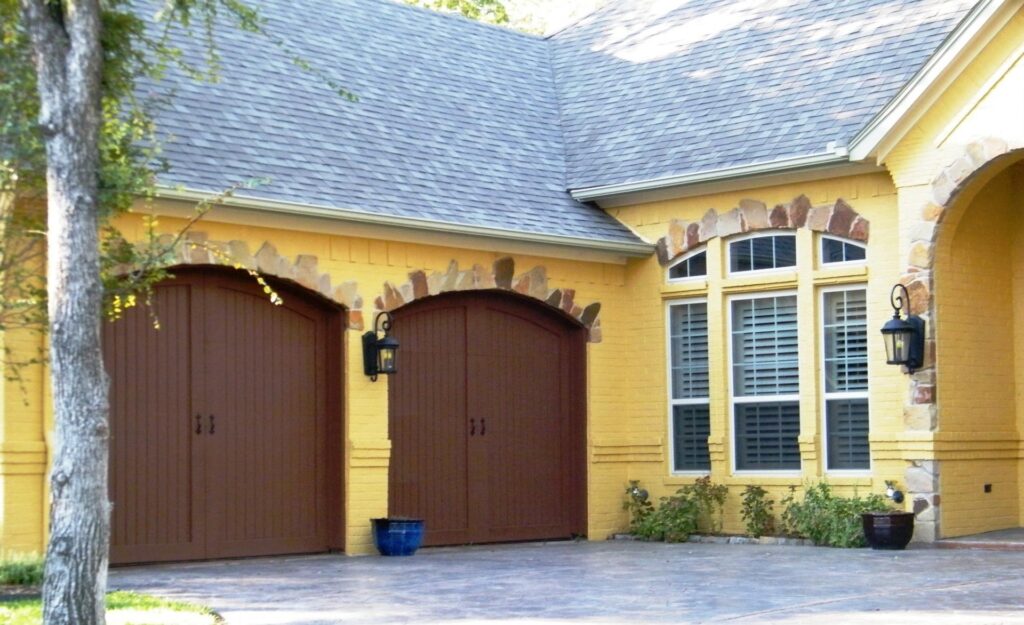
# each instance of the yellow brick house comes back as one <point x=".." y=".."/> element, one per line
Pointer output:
<point x="655" y="245"/>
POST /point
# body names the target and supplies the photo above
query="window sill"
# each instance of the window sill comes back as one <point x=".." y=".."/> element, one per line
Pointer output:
<point x="786" y="279"/>
<point x="691" y="287"/>
<point x="780" y="474"/>
<point x="840" y="275"/>
<point x="684" y="478"/>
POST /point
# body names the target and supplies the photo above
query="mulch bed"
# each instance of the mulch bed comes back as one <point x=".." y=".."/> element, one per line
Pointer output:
<point x="11" y="593"/>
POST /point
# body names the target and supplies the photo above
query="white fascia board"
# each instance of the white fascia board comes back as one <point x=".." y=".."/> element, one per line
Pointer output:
<point x="632" y="250"/>
<point x="833" y="157"/>
<point x="981" y="24"/>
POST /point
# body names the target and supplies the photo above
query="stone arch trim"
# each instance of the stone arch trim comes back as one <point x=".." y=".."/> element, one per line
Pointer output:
<point x="501" y="276"/>
<point x="304" y="269"/>
<point x="918" y="275"/>
<point x="838" y="219"/>
<point x="920" y="411"/>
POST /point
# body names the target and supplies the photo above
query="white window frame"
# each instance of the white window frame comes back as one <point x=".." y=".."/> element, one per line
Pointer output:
<point x="760" y="272"/>
<point x="825" y="396"/>
<point x="755" y="399"/>
<point x="691" y="401"/>
<point x="683" y="259"/>
<point x="843" y="263"/>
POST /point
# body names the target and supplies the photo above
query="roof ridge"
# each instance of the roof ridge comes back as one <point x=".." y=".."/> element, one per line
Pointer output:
<point x="579" y="20"/>
<point x="454" y="15"/>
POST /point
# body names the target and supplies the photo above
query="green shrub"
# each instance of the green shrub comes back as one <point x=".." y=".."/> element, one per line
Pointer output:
<point x="21" y="570"/>
<point x="673" y="521"/>
<point x="710" y="498"/>
<point x="828" y="519"/>
<point x="757" y="511"/>
<point x="693" y="507"/>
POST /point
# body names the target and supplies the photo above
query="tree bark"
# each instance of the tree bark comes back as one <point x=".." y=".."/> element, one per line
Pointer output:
<point x="68" y="58"/>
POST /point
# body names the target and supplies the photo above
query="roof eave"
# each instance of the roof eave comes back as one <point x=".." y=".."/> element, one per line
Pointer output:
<point x="636" y="249"/>
<point x="981" y="24"/>
<point x="834" y="157"/>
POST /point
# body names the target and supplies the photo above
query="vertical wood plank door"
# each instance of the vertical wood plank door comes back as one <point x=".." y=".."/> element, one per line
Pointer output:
<point x="252" y="385"/>
<point x="156" y="465"/>
<point x="488" y="420"/>
<point x="429" y="471"/>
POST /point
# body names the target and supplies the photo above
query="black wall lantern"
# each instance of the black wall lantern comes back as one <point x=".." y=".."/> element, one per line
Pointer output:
<point x="380" y="354"/>
<point x="904" y="337"/>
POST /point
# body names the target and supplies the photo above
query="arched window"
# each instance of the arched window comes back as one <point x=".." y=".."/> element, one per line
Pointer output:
<point x="693" y="265"/>
<point x="761" y="252"/>
<point x="834" y="251"/>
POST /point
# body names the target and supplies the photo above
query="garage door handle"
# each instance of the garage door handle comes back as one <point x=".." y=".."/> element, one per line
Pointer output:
<point x="213" y="426"/>
<point x="199" y="424"/>
<point x="472" y="427"/>
<point x="483" y="427"/>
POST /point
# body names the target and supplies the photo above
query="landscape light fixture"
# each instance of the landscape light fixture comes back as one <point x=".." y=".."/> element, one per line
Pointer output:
<point x="380" y="349"/>
<point x="903" y="336"/>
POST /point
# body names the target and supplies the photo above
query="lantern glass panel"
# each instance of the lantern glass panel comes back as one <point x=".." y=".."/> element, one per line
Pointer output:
<point x="897" y="346"/>
<point x="387" y="355"/>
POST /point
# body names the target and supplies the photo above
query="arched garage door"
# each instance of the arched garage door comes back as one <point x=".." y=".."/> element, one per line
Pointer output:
<point x="487" y="420"/>
<point x="225" y="422"/>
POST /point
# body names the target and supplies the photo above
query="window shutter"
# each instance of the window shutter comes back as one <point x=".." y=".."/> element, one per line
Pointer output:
<point x="846" y="341"/>
<point x="689" y="337"/>
<point x="766" y="436"/>
<point x="846" y="371"/>
<point x="688" y="361"/>
<point x="691" y="427"/>
<point x="765" y="359"/>
<point x="848" y="434"/>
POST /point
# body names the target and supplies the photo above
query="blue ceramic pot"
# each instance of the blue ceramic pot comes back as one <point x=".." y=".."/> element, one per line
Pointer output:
<point x="397" y="536"/>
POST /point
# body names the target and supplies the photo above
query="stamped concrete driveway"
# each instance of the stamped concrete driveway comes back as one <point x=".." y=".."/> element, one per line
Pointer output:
<point x="613" y="582"/>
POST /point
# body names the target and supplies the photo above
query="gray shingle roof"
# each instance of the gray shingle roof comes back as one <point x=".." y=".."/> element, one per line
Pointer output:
<point x="654" y="89"/>
<point x="463" y="123"/>
<point x="456" y="121"/>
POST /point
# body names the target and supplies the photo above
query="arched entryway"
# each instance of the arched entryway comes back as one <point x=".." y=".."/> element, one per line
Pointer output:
<point x="487" y="419"/>
<point x="226" y="422"/>
<point x="978" y="311"/>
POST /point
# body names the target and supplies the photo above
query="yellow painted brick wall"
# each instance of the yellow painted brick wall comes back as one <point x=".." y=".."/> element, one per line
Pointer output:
<point x="873" y="196"/>
<point x="22" y="449"/>
<point x="369" y="262"/>
<point x="976" y="276"/>
<point x="984" y="100"/>
<point x="978" y="317"/>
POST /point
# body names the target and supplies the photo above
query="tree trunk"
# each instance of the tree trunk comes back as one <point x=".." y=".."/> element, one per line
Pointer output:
<point x="68" y="57"/>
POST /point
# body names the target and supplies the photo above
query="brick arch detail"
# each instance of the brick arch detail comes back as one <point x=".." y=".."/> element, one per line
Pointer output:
<point x="303" y="269"/>
<point x="501" y="276"/>
<point x="920" y="412"/>
<point x="838" y="219"/>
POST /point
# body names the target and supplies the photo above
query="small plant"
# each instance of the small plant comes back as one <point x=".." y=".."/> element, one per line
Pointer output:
<point x="757" y="511"/>
<point x="827" y="518"/>
<point x="21" y="570"/>
<point x="638" y="505"/>
<point x="710" y="498"/>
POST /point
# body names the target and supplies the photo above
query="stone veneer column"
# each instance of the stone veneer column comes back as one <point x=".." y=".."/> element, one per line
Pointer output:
<point x="920" y="413"/>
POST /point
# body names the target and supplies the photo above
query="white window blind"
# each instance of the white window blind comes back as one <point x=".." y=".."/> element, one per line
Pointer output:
<point x="766" y="383"/>
<point x="845" y="341"/>
<point x="765" y="360"/>
<point x="688" y="370"/>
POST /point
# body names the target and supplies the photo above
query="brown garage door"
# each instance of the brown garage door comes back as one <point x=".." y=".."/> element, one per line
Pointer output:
<point x="225" y="428"/>
<point x="487" y="420"/>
